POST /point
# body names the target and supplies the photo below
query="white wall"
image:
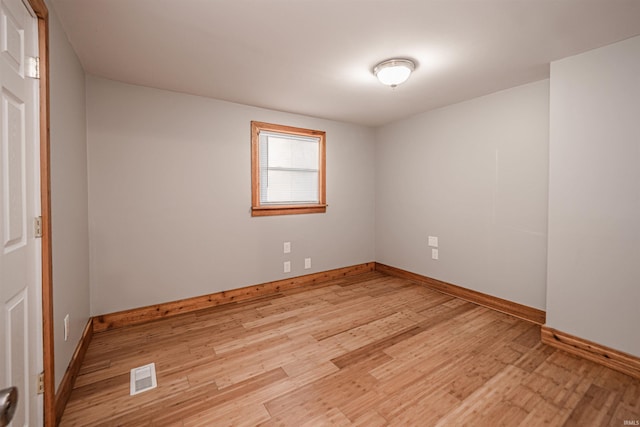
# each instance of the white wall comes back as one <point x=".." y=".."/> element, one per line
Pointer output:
<point x="594" y="196"/>
<point x="473" y="174"/>
<point x="170" y="197"/>
<point x="69" y="200"/>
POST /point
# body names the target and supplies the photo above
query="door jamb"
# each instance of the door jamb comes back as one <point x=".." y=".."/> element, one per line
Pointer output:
<point x="42" y="13"/>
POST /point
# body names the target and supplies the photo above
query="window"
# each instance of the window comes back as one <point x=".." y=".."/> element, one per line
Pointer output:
<point x="287" y="170"/>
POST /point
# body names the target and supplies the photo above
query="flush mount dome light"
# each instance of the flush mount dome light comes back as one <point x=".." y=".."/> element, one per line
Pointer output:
<point x="394" y="71"/>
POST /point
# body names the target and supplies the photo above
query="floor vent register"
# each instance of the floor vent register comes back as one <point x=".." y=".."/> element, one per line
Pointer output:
<point x="143" y="378"/>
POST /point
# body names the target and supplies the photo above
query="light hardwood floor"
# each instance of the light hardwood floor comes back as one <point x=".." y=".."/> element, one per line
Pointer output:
<point x="368" y="350"/>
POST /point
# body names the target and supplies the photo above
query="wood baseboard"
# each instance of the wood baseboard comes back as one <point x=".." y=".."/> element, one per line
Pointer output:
<point x="595" y="352"/>
<point x="524" y="312"/>
<point x="153" y="312"/>
<point x="69" y="379"/>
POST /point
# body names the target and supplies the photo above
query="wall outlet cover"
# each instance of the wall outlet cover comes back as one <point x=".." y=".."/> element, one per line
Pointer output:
<point x="287" y="266"/>
<point x="434" y="254"/>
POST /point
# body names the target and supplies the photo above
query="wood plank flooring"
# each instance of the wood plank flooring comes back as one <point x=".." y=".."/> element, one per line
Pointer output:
<point x="368" y="350"/>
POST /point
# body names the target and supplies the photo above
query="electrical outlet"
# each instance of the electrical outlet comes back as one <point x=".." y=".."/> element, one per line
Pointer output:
<point x="433" y="241"/>
<point x="434" y="254"/>
<point x="307" y="263"/>
<point x="286" y="247"/>
<point x="66" y="327"/>
<point x="287" y="266"/>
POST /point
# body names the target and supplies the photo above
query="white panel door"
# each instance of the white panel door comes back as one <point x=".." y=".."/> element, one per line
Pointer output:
<point x="20" y="250"/>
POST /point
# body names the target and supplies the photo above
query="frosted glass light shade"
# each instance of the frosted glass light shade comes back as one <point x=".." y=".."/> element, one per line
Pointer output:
<point x="394" y="71"/>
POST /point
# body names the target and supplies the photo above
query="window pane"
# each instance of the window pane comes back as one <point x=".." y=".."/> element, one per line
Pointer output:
<point x="292" y="153"/>
<point x="285" y="186"/>
<point x="288" y="169"/>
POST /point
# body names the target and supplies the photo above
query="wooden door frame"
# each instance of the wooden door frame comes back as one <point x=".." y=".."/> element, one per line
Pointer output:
<point x="42" y="13"/>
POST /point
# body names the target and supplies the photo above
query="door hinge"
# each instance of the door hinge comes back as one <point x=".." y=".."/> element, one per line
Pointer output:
<point x="41" y="383"/>
<point x="37" y="226"/>
<point x="33" y="67"/>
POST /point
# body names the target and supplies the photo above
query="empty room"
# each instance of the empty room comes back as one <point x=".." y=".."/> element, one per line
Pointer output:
<point x="310" y="213"/>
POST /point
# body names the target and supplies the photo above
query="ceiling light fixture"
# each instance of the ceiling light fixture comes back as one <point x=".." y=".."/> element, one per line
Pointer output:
<point x="393" y="72"/>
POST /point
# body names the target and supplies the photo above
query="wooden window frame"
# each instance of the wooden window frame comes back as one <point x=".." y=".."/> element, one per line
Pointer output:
<point x="258" y="209"/>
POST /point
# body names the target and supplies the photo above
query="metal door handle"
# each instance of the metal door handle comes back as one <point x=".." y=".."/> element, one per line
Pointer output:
<point x="8" y="405"/>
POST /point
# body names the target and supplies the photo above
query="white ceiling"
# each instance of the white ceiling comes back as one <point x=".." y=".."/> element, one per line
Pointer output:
<point x="315" y="57"/>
